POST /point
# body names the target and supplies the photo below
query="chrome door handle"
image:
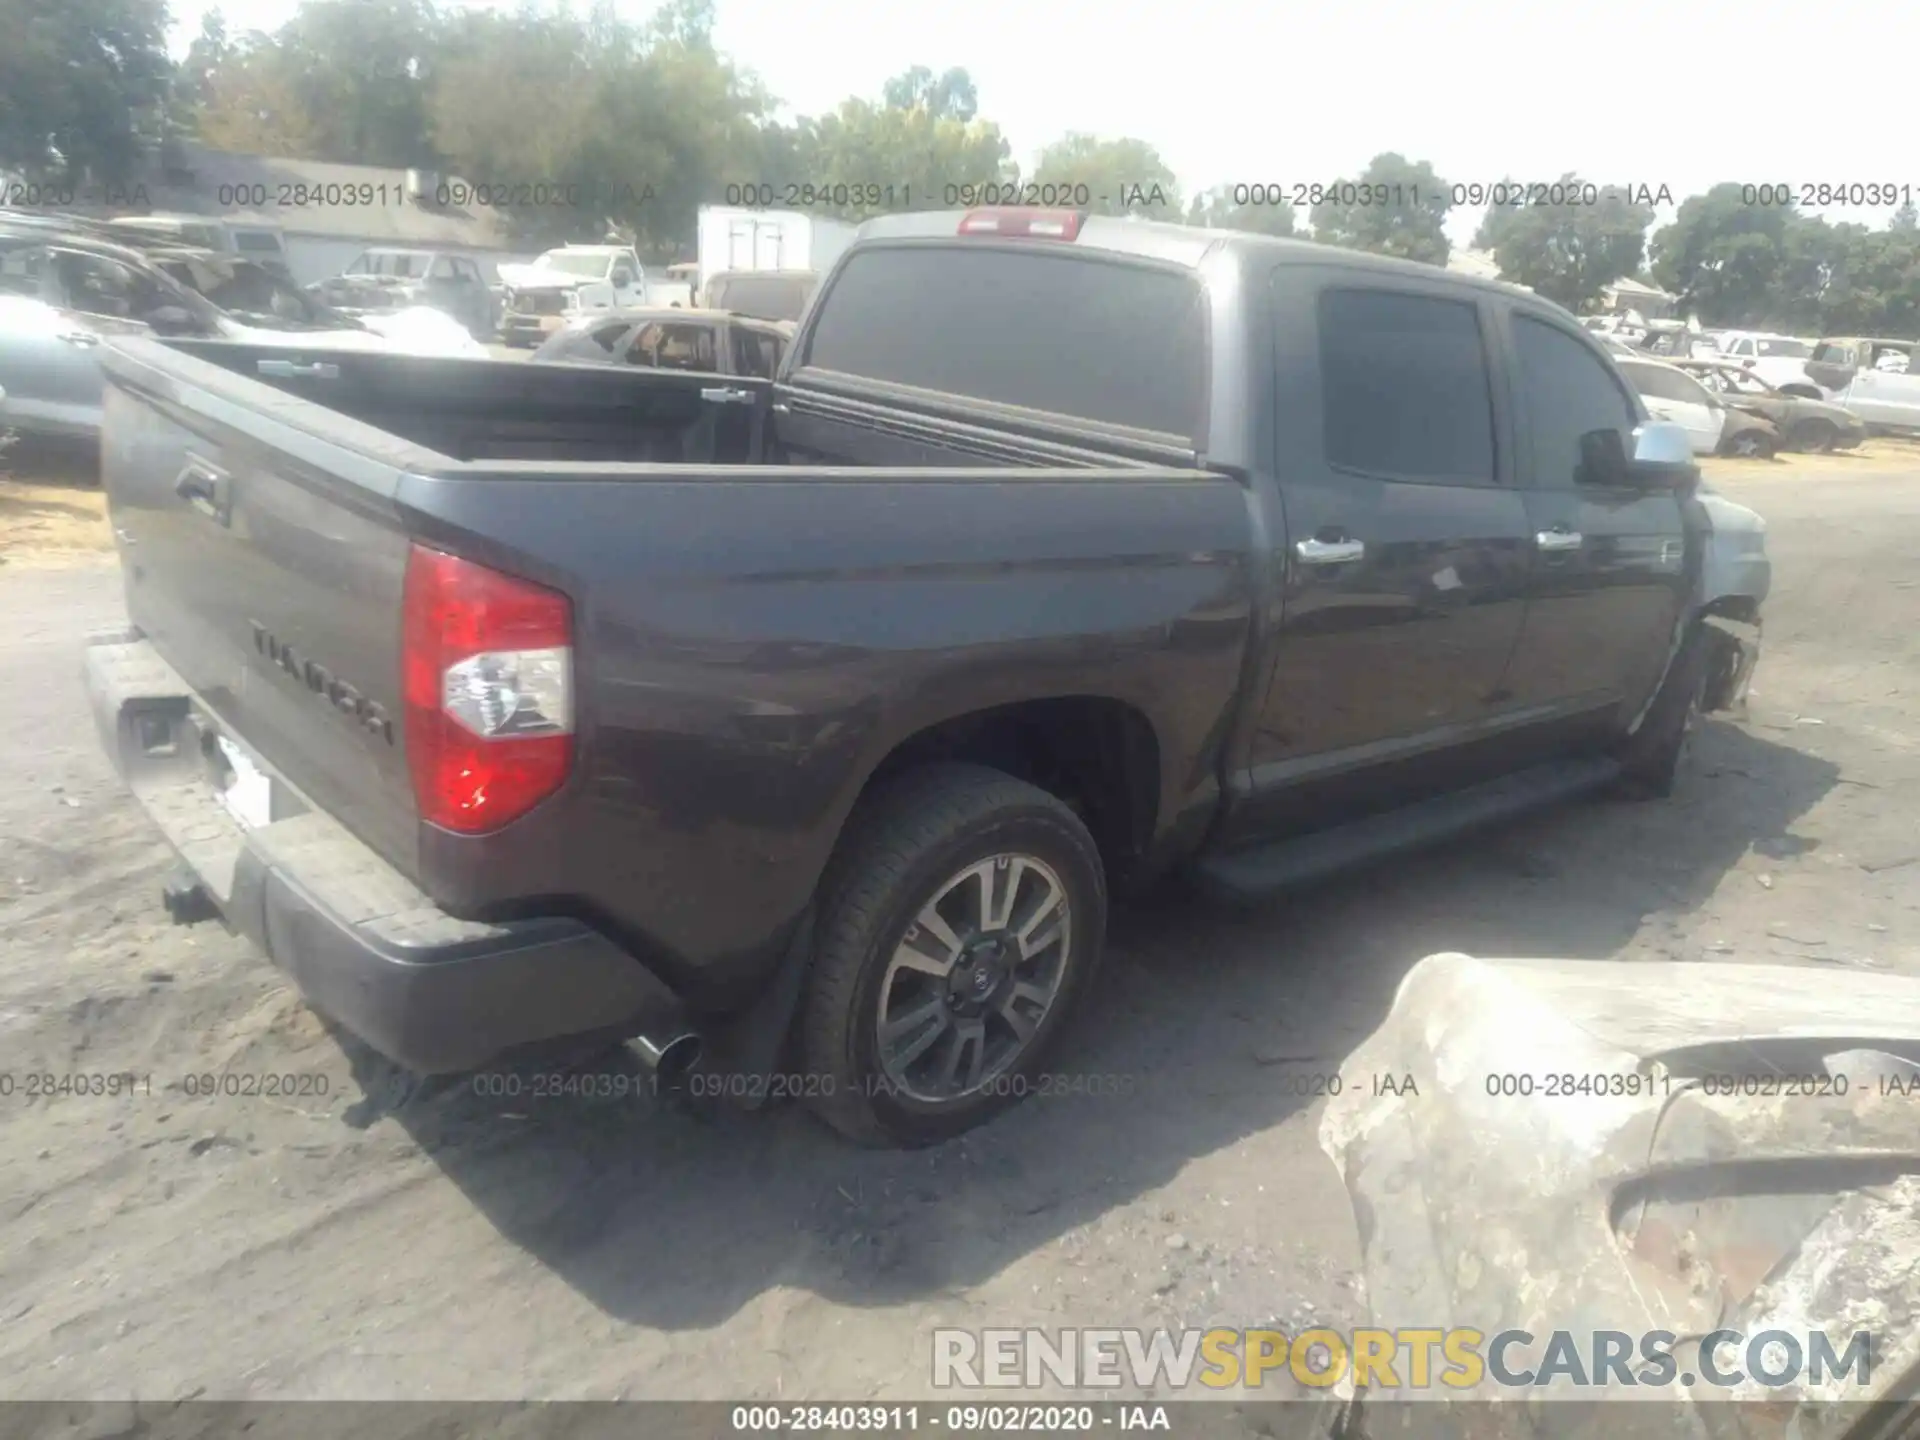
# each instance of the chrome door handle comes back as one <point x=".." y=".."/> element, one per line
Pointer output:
<point x="206" y="488"/>
<point x="727" y="395"/>
<point x="80" y="337"/>
<point x="294" y="370"/>
<point x="1329" y="552"/>
<point x="1558" y="539"/>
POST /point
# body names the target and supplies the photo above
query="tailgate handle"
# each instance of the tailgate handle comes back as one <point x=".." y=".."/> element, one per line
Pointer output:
<point x="206" y="488"/>
<point x="294" y="370"/>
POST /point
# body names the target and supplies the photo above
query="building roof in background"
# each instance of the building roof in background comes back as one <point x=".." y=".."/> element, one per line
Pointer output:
<point x="1627" y="286"/>
<point x="311" y="197"/>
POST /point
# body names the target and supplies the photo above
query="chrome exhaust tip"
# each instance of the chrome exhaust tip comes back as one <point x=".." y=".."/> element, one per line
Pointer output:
<point x="668" y="1058"/>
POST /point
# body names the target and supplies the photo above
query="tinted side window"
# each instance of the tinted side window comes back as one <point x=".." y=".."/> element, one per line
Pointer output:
<point x="1404" y="387"/>
<point x="95" y="285"/>
<point x="1091" y="338"/>
<point x="1568" y="393"/>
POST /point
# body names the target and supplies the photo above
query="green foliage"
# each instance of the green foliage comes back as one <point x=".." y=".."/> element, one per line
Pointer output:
<point x="1395" y="206"/>
<point x="1771" y="266"/>
<point x="1122" y="177"/>
<point x="867" y="159"/>
<point x="949" y="96"/>
<point x="629" y="125"/>
<point x="83" y="88"/>
<point x="1215" y="210"/>
<point x="1568" y="252"/>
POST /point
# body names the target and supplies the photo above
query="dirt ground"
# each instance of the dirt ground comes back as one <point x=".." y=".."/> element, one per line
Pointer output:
<point x="386" y="1238"/>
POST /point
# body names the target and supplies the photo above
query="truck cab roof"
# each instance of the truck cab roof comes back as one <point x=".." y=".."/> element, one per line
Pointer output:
<point x="1183" y="245"/>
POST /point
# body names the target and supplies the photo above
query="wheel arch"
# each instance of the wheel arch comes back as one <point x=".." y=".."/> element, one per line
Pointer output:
<point x="1099" y="754"/>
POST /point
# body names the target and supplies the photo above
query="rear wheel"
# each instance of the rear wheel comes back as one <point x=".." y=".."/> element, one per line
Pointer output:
<point x="963" y="919"/>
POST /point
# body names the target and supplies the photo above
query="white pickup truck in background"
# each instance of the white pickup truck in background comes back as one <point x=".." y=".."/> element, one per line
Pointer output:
<point x="1879" y="380"/>
<point x="572" y="280"/>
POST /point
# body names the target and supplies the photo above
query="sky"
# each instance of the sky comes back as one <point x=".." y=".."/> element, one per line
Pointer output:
<point x="1238" y="92"/>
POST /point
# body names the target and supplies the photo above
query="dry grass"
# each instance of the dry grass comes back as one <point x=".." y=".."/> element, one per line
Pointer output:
<point x="52" y="510"/>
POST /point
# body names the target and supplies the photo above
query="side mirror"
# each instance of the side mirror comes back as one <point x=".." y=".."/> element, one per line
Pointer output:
<point x="172" y="320"/>
<point x="1662" y="457"/>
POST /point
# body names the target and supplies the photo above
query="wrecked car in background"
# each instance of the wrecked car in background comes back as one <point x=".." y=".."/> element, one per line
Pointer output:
<point x="384" y="280"/>
<point x="1876" y="379"/>
<point x="64" y="291"/>
<point x="1816" y="426"/>
<point x="1596" y="1149"/>
<point x="1713" y="427"/>
<point x="565" y="283"/>
<point x="664" y="338"/>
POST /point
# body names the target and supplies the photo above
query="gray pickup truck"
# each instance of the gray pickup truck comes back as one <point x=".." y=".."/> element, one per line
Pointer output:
<point x="815" y="719"/>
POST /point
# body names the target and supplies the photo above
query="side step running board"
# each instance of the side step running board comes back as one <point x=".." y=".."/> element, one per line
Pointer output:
<point x="1264" y="869"/>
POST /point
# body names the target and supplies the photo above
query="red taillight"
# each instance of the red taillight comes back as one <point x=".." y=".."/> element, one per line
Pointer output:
<point x="487" y="674"/>
<point x="1034" y="224"/>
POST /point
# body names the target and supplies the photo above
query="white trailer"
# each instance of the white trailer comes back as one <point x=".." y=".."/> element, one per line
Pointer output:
<point x="731" y="237"/>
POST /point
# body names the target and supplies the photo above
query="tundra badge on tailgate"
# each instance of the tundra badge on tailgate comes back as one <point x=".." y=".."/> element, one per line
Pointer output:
<point x="324" y="683"/>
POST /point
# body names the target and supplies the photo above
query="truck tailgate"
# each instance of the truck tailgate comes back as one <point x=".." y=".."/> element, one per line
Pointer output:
<point x="265" y="562"/>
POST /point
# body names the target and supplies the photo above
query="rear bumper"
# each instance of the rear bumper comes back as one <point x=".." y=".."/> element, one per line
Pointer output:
<point x="365" y="946"/>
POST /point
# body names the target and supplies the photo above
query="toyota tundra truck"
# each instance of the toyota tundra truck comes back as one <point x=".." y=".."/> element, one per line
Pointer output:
<point x="816" y="719"/>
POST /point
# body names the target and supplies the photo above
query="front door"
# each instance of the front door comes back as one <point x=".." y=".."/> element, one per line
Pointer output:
<point x="1611" y="573"/>
<point x="1406" y="546"/>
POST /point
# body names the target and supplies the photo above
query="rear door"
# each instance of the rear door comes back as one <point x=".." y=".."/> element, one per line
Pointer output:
<point x="1886" y="388"/>
<point x="1609" y="581"/>
<point x="1405" y="573"/>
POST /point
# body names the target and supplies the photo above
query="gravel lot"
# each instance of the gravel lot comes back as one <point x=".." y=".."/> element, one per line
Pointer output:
<point x="391" y="1238"/>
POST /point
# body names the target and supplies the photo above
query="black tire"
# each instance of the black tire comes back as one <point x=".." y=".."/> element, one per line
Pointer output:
<point x="902" y="847"/>
<point x="1748" y="445"/>
<point x="1815" y="437"/>
<point x="1653" y="755"/>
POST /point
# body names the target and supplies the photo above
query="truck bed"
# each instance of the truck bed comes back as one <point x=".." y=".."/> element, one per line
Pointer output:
<point x="750" y="642"/>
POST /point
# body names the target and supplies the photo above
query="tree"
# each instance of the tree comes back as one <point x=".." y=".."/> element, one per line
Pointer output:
<point x="1722" y="256"/>
<point x="1570" y="251"/>
<point x="83" y="87"/>
<point x="948" y="96"/>
<point x="1111" y="177"/>
<point x="887" y="157"/>
<point x="349" y="81"/>
<point x="1215" y="210"/>
<point x="1905" y="218"/>
<point x="1395" y="207"/>
<point x="638" y="126"/>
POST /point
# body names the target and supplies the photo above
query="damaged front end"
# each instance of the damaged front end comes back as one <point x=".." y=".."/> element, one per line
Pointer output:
<point x="1601" y="1149"/>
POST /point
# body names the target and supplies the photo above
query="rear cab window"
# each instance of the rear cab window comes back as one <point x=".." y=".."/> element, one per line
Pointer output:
<point x="1088" y="336"/>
